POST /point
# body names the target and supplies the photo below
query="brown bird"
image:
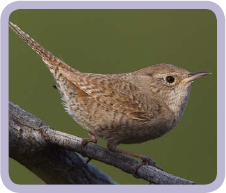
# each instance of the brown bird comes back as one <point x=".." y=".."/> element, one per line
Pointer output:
<point x="121" y="108"/>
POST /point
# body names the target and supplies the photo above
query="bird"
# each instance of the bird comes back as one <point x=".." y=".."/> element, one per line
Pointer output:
<point x="125" y="108"/>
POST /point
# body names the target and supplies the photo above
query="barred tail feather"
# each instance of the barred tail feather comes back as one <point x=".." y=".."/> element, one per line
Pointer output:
<point x="51" y="60"/>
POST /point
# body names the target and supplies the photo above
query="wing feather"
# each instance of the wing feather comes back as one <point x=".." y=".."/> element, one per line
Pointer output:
<point x="114" y="94"/>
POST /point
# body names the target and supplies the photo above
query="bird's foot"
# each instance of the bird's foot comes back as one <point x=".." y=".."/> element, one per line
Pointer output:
<point x="145" y="161"/>
<point x="85" y="141"/>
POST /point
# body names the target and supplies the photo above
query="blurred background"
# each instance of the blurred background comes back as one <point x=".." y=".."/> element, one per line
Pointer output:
<point x="117" y="41"/>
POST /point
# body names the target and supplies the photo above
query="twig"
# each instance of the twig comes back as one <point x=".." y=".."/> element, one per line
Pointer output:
<point x="39" y="140"/>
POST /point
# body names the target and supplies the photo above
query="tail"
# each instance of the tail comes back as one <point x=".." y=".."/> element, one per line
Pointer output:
<point x="51" y="60"/>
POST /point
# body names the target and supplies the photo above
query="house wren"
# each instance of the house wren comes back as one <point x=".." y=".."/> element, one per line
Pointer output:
<point x="120" y="108"/>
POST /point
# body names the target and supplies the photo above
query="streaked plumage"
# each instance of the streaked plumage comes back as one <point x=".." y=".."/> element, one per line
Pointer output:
<point x="120" y="108"/>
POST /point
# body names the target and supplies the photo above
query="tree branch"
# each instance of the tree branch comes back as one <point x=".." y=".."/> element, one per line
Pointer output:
<point x="52" y="164"/>
<point x="50" y="154"/>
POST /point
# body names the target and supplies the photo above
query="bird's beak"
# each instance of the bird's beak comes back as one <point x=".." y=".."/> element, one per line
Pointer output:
<point x="194" y="75"/>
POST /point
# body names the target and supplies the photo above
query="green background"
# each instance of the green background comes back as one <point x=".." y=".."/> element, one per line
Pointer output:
<point x="117" y="41"/>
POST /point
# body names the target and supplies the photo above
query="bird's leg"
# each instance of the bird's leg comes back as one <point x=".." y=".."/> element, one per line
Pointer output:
<point x="145" y="159"/>
<point x="85" y="141"/>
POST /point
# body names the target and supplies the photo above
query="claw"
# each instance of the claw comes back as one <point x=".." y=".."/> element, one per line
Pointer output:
<point x="135" y="168"/>
<point x="84" y="143"/>
<point x="145" y="161"/>
<point x="92" y="139"/>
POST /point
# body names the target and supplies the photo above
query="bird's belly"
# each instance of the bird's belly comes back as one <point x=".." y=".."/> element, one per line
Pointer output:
<point x="144" y="133"/>
<point x="114" y="125"/>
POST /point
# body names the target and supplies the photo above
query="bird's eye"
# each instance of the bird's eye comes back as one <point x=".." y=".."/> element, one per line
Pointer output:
<point x="170" y="79"/>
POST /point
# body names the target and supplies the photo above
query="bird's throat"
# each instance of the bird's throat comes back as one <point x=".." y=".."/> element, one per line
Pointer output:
<point x="178" y="100"/>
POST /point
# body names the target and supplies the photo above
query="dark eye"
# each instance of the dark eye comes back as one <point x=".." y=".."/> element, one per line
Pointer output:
<point x="170" y="79"/>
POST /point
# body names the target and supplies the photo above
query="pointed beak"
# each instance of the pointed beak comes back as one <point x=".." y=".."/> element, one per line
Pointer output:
<point x="194" y="75"/>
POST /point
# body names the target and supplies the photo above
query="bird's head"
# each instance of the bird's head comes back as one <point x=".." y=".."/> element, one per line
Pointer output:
<point x="167" y="83"/>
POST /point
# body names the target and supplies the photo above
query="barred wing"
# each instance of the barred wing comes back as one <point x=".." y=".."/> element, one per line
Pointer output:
<point x="114" y="94"/>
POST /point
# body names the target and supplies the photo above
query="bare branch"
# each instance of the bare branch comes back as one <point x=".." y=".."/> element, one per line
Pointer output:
<point x="50" y="154"/>
<point x="52" y="164"/>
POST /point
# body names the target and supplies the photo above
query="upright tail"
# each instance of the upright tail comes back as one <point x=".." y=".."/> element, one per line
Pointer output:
<point x="51" y="60"/>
